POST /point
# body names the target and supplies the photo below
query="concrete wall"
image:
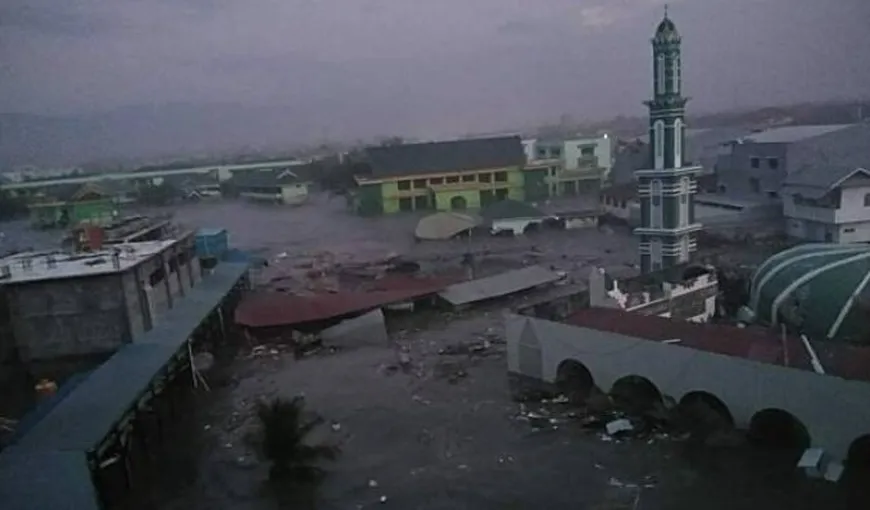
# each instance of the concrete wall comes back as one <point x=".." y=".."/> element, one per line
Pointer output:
<point x="735" y="172"/>
<point x="68" y="317"/>
<point x="834" y="410"/>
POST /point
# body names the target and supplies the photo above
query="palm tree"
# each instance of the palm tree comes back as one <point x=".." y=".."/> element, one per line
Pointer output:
<point x="284" y="428"/>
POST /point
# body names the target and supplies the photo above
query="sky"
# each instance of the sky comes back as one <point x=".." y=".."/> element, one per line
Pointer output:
<point x="434" y="66"/>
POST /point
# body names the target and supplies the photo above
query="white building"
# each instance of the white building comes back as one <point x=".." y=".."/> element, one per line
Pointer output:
<point x="576" y="165"/>
<point x="827" y="204"/>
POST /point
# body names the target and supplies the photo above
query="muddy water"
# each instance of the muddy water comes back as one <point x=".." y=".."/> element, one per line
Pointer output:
<point x="442" y="434"/>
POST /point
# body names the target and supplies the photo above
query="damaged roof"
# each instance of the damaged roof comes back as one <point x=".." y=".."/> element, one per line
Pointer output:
<point x="751" y="343"/>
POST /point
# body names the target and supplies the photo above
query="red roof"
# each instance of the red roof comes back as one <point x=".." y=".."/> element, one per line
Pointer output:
<point x="752" y="343"/>
<point x="268" y="309"/>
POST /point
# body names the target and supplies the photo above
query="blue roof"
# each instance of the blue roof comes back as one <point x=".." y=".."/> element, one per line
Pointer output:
<point x="46" y="480"/>
<point x="83" y="419"/>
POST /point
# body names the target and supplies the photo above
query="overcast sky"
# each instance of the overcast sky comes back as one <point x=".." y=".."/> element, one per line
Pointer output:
<point x="448" y="65"/>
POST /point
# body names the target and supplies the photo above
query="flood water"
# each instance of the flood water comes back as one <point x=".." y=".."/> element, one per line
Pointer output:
<point x="442" y="433"/>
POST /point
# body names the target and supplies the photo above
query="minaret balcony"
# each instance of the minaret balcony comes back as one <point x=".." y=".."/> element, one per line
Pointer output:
<point x="679" y="231"/>
<point x="691" y="170"/>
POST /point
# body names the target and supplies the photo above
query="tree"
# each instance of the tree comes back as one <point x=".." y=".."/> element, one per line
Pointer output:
<point x="161" y="194"/>
<point x="284" y="429"/>
<point x="11" y="207"/>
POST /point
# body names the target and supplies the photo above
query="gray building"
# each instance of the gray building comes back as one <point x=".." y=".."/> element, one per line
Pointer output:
<point x="756" y="166"/>
<point x="68" y="307"/>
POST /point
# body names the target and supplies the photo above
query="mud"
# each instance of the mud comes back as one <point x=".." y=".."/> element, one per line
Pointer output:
<point x="427" y="422"/>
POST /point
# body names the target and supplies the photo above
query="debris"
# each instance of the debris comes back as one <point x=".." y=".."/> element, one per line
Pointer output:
<point x="367" y="329"/>
<point x="336" y="426"/>
<point x="813" y="462"/>
<point x="618" y="426"/>
<point x="418" y="398"/>
<point x="383" y="499"/>
<point x="613" y="482"/>
<point x="373" y="483"/>
<point x="834" y="471"/>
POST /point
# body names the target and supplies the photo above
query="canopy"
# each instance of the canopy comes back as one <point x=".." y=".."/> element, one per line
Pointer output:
<point x="444" y="225"/>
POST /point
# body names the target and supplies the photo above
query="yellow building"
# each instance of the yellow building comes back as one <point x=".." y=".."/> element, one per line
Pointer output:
<point x="444" y="176"/>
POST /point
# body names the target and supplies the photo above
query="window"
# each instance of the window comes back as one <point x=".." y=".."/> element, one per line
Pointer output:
<point x="453" y="179"/>
<point x="867" y="200"/>
<point x="405" y="204"/>
<point x="501" y="177"/>
<point x="501" y="194"/>
<point x="755" y="185"/>
<point x="622" y="204"/>
<point x="660" y="75"/>
<point x="656" y="204"/>
<point x="173" y="265"/>
<point x="684" y="249"/>
<point x="587" y="151"/>
<point x="659" y="140"/>
<point x="487" y="197"/>
<point x="655" y="254"/>
<point x="556" y="152"/>
<point x="183" y="258"/>
<point x="468" y="178"/>
<point x="436" y="180"/>
<point x="484" y="177"/>
<point x="678" y="143"/>
<point x="676" y="75"/>
<point x="421" y="202"/>
<point x="772" y="194"/>
<point x="685" y="188"/>
<point x="542" y="153"/>
<point x="848" y="230"/>
<point x="754" y="162"/>
<point x="419" y="183"/>
<point x="404" y="185"/>
<point x="772" y="163"/>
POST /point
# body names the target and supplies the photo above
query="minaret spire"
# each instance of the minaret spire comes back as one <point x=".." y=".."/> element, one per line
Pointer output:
<point x="667" y="185"/>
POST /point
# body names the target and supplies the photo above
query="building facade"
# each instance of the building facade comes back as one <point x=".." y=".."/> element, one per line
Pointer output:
<point x="282" y="186"/>
<point x="70" y="307"/>
<point x="574" y="167"/>
<point x="831" y="207"/>
<point x="444" y="176"/>
<point x="667" y="235"/>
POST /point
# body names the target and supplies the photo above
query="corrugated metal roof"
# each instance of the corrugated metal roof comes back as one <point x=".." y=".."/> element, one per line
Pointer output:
<point x="753" y="343"/>
<point x="46" y="481"/>
<point x="449" y="156"/>
<point x="789" y="134"/>
<point x="498" y="285"/>
<point x="273" y="309"/>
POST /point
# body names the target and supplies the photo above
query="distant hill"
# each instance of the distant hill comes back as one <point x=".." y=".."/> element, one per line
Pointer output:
<point x="213" y="131"/>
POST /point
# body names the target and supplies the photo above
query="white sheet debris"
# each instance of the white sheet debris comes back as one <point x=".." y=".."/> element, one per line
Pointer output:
<point x="620" y="425"/>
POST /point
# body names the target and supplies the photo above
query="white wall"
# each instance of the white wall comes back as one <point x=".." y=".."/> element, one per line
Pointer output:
<point x="834" y="410"/>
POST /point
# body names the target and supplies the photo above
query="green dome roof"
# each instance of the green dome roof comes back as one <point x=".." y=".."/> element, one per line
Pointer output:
<point x="821" y="289"/>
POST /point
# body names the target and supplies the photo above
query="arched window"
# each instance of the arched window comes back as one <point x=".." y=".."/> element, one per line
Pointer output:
<point x="684" y="249"/>
<point x="678" y="143"/>
<point x="685" y="187"/>
<point x="676" y="77"/>
<point x="659" y="144"/>
<point x="655" y="204"/>
<point x="867" y="200"/>
<point x="655" y="254"/>
<point x="660" y="75"/>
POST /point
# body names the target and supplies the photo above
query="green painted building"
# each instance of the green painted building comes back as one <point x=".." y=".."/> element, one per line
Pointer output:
<point x="818" y="289"/>
<point x="666" y="188"/>
<point x="67" y="205"/>
<point x="446" y="176"/>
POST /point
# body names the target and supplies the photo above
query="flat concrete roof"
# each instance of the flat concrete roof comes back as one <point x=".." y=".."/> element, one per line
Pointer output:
<point x="37" y="266"/>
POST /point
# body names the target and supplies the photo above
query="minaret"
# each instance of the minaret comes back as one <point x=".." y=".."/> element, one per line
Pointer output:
<point x="667" y="186"/>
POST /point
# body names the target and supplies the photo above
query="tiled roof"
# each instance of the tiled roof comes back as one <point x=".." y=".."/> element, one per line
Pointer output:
<point x="441" y="157"/>
<point x="752" y="343"/>
<point x="822" y="161"/>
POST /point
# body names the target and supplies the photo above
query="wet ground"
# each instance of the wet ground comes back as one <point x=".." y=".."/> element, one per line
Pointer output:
<point x="443" y="432"/>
